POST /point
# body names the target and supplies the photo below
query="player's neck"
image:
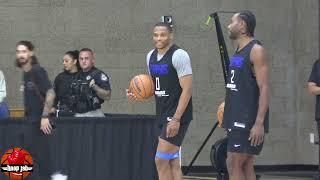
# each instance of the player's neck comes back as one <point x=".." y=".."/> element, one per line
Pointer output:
<point x="243" y="41"/>
<point x="164" y="50"/>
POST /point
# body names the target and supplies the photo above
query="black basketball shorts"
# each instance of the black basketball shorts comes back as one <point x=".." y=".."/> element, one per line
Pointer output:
<point x="238" y="142"/>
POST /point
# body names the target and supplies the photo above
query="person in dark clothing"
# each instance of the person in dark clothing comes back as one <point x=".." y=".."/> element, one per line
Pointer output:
<point x="94" y="85"/>
<point x="247" y="98"/>
<point x="38" y="101"/>
<point x="65" y="99"/>
<point x="171" y="71"/>
<point x="314" y="86"/>
<point x="38" y="93"/>
<point x="314" y="89"/>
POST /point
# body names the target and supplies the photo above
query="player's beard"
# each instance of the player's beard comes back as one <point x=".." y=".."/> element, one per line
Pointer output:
<point x="20" y="64"/>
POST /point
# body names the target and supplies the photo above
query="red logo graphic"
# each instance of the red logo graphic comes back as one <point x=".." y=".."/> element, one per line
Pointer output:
<point x="17" y="164"/>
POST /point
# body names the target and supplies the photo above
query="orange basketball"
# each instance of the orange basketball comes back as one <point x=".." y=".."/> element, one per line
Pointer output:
<point x="142" y="86"/>
<point x="220" y="113"/>
<point x="17" y="157"/>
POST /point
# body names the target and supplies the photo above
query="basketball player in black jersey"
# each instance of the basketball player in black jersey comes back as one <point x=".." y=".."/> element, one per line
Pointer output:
<point x="171" y="72"/>
<point x="247" y="98"/>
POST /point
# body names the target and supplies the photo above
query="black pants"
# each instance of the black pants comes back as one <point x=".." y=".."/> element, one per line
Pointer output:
<point x="37" y="143"/>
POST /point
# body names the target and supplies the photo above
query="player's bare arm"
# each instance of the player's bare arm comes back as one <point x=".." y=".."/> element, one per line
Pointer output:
<point x="261" y="70"/>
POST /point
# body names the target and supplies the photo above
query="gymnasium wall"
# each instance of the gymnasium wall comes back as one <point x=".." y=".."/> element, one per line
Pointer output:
<point x="120" y="32"/>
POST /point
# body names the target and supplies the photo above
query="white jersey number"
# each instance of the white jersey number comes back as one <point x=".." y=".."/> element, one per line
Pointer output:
<point x="157" y="83"/>
<point x="232" y="76"/>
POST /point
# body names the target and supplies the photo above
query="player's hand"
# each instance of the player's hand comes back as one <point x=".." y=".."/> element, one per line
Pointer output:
<point x="131" y="97"/>
<point x="172" y="128"/>
<point x="92" y="83"/>
<point x="256" y="134"/>
<point x="45" y="126"/>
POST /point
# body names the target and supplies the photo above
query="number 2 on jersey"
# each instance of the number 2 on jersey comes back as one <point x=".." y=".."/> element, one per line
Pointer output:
<point x="232" y="76"/>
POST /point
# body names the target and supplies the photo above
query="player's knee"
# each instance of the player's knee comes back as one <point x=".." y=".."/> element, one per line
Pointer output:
<point x="175" y="165"/>
<point x="229" y="165"/>
<point x="163" y="159"/>
<point x="161" y="162"/>
<point x="234" y="163"/>
<point x="249" y="164"/>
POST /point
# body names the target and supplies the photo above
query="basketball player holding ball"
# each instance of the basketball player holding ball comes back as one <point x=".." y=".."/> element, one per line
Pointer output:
<point x="247" y="98"/>
<point x="171" y="72"/>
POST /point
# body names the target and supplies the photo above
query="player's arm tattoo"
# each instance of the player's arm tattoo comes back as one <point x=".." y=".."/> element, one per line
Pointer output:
<point x="49" y="101"/>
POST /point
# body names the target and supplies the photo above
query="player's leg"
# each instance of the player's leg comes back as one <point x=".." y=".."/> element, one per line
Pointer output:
<point x="165" y="152"/>
<point x="235" y="163"/>
<point x="241" y="154"/>
<point x="249" y="168"/>
<point x="177" y="141"/>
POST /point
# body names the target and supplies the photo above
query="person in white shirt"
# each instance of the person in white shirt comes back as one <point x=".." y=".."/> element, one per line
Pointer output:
<point x="4" y="111"/>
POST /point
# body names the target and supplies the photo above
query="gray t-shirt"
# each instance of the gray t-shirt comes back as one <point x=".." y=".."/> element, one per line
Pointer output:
<point x="180" y="61"/>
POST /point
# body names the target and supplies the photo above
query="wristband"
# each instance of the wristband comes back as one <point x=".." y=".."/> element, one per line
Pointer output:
<point x="173" y="119"/>
<point x="45" y="114"/>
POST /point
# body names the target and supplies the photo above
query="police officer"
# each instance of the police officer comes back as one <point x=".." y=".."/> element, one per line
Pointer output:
<point x="93" y="87"/>
<point x="65" y="100"/>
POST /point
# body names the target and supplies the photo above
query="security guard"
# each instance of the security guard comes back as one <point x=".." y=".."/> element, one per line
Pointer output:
<point x="94" y="86"/>
<point x="65" y="99"/>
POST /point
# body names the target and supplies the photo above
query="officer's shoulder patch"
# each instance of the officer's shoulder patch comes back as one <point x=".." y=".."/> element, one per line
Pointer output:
<point x="104" y="77"/>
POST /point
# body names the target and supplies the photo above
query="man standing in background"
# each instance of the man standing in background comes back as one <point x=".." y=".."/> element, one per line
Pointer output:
<point x="314" y="89"/>
<point x="38" y="101"/>
<point x="95" y="86"/>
